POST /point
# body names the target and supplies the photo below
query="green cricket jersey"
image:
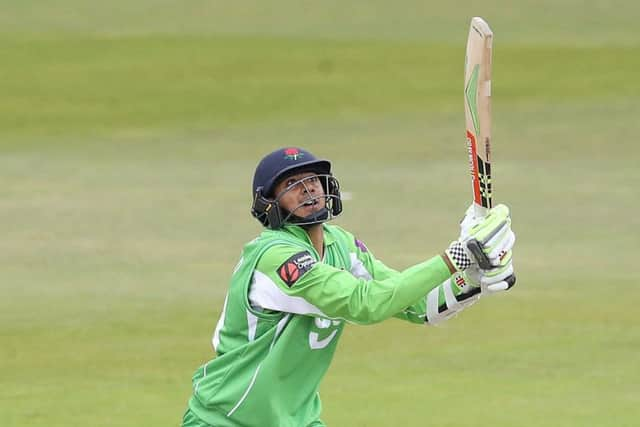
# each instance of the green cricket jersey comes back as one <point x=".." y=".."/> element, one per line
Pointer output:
<point x="283" y="316"/>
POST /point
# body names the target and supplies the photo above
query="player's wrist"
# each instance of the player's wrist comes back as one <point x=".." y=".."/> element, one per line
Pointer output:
<point x="447" y="261"/>
<point x="458" y="256"/>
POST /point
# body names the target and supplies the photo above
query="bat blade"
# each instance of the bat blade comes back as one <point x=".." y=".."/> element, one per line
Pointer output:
<point x="477" y="108"/>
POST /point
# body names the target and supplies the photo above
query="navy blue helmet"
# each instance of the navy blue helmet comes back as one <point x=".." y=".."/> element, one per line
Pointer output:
<point x="281" y="164"/>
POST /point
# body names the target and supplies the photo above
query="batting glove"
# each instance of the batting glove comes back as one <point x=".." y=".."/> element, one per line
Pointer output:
<point x="484" y="243"/>
<point x="497" y="279"/>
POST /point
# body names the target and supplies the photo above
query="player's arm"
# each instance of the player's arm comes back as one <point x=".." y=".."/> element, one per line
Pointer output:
<point x="365" y="265"/>
<point x="461" y="289"/>
<point x="444" y="301"/>
<point x="288" y="279"/>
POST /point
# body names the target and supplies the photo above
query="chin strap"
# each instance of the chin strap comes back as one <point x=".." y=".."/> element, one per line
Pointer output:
<point x="317" y="217"/>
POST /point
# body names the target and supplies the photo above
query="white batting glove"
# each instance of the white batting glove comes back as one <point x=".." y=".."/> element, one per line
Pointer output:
<point x="468" y="222"/>
<point x="501" y="278"/>
<point x="484" y="241"/>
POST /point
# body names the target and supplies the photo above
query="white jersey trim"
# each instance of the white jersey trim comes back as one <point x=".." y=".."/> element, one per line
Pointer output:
<point x="265" y="294"/>
<point x="252" y="324"/>
<point x="246" y="392"/>
<point x="358" y="269"/>
<point x="216" y="334"/>
<point x="281" y="324"/>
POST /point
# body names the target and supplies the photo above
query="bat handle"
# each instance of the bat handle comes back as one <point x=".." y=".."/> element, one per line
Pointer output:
<point x="480" y="211"/>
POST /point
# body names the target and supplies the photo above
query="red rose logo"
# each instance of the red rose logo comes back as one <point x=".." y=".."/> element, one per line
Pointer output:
<point x="292" y="153"/>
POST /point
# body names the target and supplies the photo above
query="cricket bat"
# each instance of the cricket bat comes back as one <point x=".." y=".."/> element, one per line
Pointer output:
<point x="477" y="110"/>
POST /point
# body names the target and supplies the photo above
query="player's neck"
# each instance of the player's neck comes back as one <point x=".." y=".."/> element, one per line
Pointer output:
<point x="316" y="235"/>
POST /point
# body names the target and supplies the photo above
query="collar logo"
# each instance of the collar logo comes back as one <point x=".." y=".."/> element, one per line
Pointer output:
<point x="292" y="154"/>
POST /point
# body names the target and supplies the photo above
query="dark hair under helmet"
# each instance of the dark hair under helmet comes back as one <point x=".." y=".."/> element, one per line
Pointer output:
<point x="280" y="164"/>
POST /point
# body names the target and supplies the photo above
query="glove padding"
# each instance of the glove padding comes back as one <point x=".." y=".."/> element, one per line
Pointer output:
<point x="498" y="279"/>
<point x="483" y="241"/>
<point x="463" y="289"/>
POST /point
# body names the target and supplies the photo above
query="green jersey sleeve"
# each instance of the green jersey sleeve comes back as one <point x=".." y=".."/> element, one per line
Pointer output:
<point x="289" y="278"/>
<point x="366" y="265"/>
<point x="441" y="303"/>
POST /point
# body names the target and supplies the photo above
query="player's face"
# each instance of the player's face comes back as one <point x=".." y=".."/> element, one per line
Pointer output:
<point x="301" y="194"/>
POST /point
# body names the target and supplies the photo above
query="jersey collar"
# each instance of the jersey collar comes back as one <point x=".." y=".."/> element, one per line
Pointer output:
<point x="301" y="234"/>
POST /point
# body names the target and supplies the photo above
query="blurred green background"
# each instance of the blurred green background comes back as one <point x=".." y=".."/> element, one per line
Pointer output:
<point x="129" y="132"/>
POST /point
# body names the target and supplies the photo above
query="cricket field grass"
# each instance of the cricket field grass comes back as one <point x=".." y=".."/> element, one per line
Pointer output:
<point x="128" y="138"/>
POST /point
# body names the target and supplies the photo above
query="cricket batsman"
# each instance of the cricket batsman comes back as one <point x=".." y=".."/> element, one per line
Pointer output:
<point x="301" y="280"/>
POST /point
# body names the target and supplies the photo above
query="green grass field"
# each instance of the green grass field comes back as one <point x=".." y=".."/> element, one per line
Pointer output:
<point x="128" y="137"/>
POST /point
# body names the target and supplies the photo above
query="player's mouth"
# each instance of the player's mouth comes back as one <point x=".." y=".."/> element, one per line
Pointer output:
<point x="310" y="206"/>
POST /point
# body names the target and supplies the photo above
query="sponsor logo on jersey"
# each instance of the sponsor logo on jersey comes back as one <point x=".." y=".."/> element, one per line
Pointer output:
<point x="322" y="333"/>
<point x="291" y="270"/>
<point x="292" y="153"/>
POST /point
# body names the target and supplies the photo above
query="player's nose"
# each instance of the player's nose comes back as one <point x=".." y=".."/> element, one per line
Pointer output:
<point x="308" y="187"/>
